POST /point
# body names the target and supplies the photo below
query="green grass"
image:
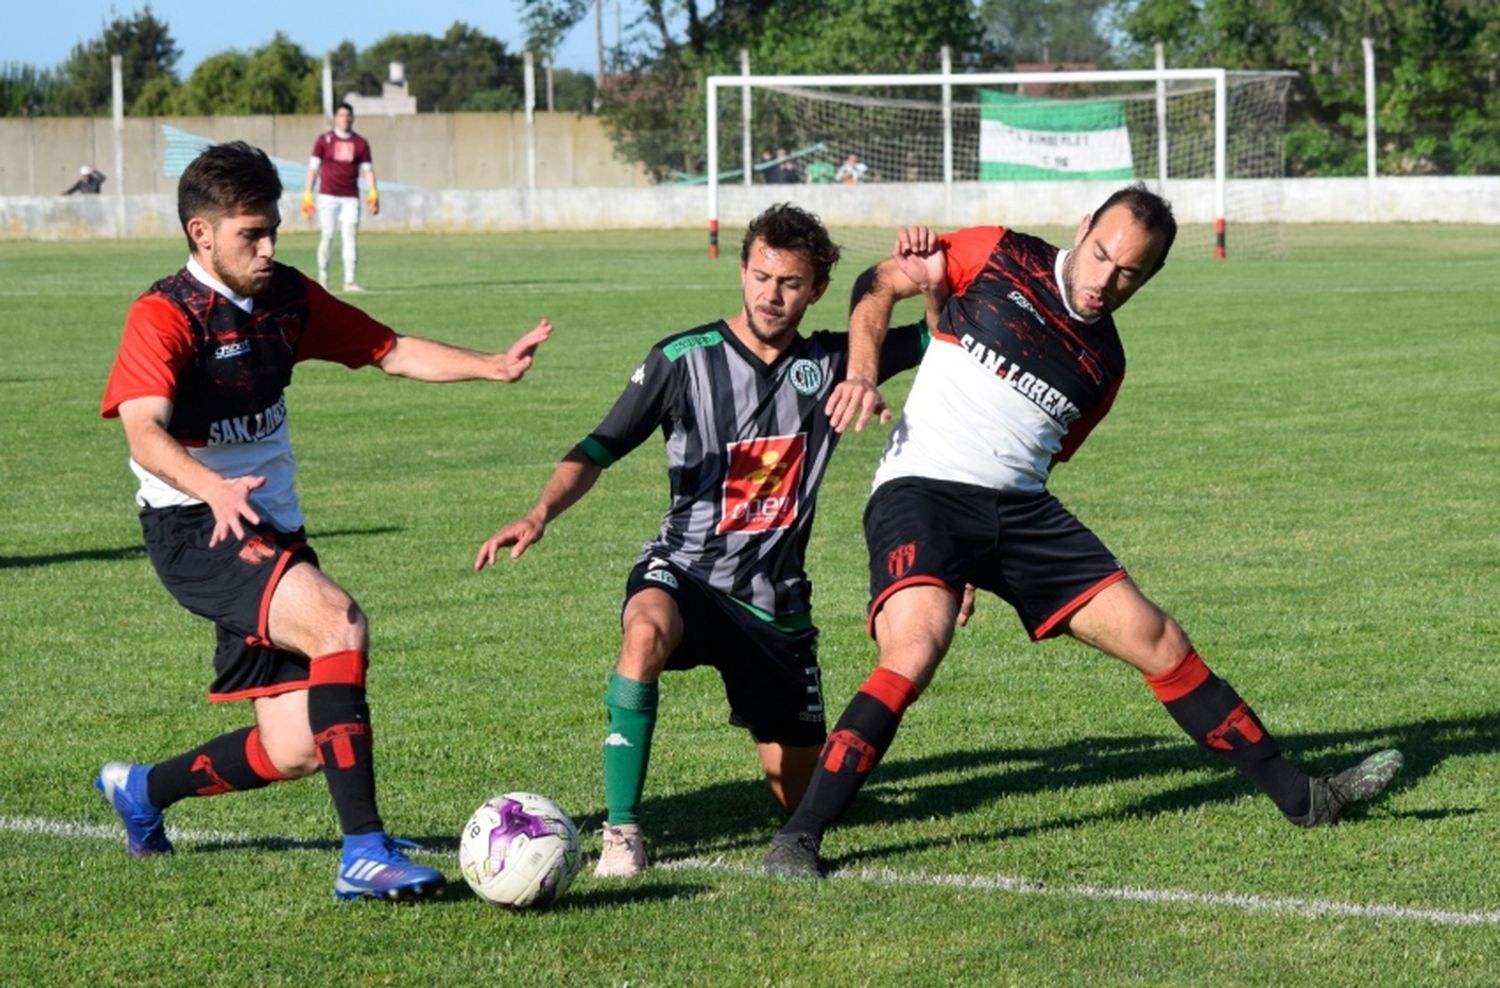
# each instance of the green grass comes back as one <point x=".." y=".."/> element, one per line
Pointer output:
<point x="1301" y="466"/>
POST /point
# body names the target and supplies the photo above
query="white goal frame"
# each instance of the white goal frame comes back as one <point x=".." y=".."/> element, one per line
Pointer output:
<point x="945" y="81"/>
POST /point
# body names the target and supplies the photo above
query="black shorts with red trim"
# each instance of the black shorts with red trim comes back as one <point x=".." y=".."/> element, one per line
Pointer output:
<point x="1025" y="548"/>
<point x="231" y="585"/>
<point x="769" y="668"/>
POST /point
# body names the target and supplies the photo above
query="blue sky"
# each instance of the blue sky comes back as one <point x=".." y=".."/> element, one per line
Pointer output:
<point x="52" y="27"/>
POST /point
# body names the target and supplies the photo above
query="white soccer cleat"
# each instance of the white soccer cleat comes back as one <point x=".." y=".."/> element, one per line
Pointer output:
<point x="622" y="851"/>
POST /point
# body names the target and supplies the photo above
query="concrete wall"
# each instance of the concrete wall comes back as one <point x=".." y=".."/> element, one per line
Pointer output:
<point x="1333" y="200"/>
<point x="41" y="155"/>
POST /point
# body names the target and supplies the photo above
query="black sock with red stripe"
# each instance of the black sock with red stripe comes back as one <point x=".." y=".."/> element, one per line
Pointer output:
<point x="233" y="762"/>
<point x="859" y="740"/>
<point x="1212" y="714"/>
<point x="340" y="722"/>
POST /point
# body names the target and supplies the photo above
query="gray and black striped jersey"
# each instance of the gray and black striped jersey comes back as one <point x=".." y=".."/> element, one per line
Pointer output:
<point x="747" y="446"/>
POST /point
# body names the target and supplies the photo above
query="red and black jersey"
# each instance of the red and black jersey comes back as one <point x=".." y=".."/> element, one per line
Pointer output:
<point x="225" y="370"/>
<point x="1014" y="381"/>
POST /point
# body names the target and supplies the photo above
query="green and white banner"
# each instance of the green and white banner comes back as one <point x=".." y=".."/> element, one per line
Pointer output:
<point x="1022" y="138"/>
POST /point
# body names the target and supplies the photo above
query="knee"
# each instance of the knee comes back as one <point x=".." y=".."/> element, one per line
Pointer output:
<point x="1163" y="646"/>
<point x="644" y="650"/>
<point x="293" y="754"/>
<point x="345" y="627"/>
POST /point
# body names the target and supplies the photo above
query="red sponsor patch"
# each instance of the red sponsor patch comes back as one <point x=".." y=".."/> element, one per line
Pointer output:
<point x="760" y="491"/>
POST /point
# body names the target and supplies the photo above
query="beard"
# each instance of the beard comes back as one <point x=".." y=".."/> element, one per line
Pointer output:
<point x="790" y="322"/>
<point x="247" y="285"/>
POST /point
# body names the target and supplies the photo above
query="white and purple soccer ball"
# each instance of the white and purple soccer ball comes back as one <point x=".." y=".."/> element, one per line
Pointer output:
<point x="519" y="851"/>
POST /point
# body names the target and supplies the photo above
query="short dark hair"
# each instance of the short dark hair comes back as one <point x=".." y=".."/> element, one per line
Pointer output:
<point x="344" y="106"/>
<point x="225" y="179"/>
<point x="785" y="227"/>
<point x="1150" y="211"/>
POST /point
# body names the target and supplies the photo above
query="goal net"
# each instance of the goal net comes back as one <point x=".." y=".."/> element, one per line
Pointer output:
<point x="1030" y="150"/>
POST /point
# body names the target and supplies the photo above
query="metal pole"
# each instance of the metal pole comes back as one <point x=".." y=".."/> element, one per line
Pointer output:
<point x="747" y="152"/>
<point x="117" y="106"/>
<point x="599" y="49"/>
<point x="947" y="54"/>
<point x="1221" y="144"/>
<point x="1370" y="144"/>
<point x="528" y="64"/>
<point x="1161" y="119"/>
<point x="327" y="87"/>
<point x="712" y="139"/>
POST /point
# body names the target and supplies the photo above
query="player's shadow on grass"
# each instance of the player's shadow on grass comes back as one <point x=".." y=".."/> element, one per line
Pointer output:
<point x="139" y="551"/>
<point x="733" y="815"/>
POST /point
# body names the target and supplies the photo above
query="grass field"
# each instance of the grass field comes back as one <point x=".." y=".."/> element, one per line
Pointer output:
<point x="1302" y="466"/>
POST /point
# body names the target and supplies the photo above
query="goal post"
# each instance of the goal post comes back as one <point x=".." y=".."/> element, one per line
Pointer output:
<point x="948" y="148"/>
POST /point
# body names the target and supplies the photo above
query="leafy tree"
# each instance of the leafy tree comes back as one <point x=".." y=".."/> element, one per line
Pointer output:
<point x="655" y="112"/>
<point x="1047" y="30"/>
<point x="147" y="49"/>
<point x="454" y="72"/>
<point x="1436" y="86"/>
<point x="279" y="77"/>
<point x="26" y="91"/>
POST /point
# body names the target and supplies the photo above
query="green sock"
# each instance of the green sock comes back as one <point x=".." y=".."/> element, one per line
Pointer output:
<point x="627" y="746"/>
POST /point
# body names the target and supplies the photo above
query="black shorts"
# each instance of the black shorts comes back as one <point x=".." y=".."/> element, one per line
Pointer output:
<point x="771" y="675"/>
<point x="1025" y="548"/>
<point x="230" y="584"/>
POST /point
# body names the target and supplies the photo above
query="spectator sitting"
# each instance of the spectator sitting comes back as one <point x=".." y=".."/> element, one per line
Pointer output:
<point x="820" y="172"/>
<point x="90" y="181"/>
<point x="786" y="169"/>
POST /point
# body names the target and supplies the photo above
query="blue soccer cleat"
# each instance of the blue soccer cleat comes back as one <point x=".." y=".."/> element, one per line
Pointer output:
<point x="374" y="867"/>
<point x="124" y="787"/>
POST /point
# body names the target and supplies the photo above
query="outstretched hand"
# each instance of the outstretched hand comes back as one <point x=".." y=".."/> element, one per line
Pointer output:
<point x="856" y="400"/>
<point x="519" y="535"/>
<point x="516" y="361"/>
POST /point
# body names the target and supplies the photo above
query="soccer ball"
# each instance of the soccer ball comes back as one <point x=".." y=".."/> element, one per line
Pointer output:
<point x="519" y="851"/>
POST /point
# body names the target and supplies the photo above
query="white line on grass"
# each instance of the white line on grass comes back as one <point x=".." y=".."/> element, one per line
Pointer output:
<point x="880" y="876"/>
<point x="1026" y="886"/>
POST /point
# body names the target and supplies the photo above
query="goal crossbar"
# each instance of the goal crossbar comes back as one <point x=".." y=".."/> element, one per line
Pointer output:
<point x="945" y="81"/>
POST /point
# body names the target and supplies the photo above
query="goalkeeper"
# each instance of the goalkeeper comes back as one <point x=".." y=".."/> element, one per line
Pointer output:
<point x="340" y="157"/>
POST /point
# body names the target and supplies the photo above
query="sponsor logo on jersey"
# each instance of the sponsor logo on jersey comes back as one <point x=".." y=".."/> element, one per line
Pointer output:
<point x="1025" y="303"/>
<point x="639" y="377"/>
<point x="235" y="349"/>
<point x="1029" y="385"/>
<point x="900" y="559"/>
<point x="760" y="486"/>
<point x="806" y="376"/>
<point x="247" y="428"/>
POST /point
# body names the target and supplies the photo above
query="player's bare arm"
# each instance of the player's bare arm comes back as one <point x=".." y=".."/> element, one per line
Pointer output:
<point x="372" y="195"/>
<point x="145" y="421"/>
<point x="574" y="477"/>
<point x="856" y="399"/>
<point x="428" y="360"/>
<point x="920" y="256"/>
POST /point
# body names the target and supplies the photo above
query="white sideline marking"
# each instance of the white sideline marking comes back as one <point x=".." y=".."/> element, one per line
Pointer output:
<point x="882" y="876"/>
<point x="1026" y="886"/>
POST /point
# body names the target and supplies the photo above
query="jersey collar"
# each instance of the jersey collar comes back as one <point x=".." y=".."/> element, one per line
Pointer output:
<point x="198" y="271"/>
<point x="1062" y="289"/>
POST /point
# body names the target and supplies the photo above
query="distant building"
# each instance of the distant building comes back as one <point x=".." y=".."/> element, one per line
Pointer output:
<point x="393" y="99"/>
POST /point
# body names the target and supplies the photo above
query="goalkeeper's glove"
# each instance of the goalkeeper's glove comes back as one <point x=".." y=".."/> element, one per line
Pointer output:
<point x="372" y="199"/>
<point x="307" y="204"/>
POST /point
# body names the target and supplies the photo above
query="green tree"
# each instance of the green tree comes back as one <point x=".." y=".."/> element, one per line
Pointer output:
<point x="1436" y="80"/>
<point x="147" y="52"/>
<point x="654" y="112"/>
<point x="278" y="77"/>
<point x="26" y="91"/>
<point x="1047" y="31"/>
<point x="454" y="72"/>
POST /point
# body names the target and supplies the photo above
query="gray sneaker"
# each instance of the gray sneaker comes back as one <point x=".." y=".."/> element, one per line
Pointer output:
<point x="1332" y="794"/>
<point x="794" y="856"/>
